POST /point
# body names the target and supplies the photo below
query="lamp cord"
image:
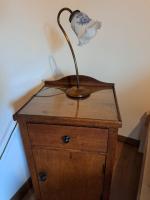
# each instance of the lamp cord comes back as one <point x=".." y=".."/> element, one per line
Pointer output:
<point x="69" y="43"/>
<point x="8" y="141"/>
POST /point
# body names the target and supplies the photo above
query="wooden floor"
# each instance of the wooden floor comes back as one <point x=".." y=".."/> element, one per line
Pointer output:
<point x="126" y="174"/>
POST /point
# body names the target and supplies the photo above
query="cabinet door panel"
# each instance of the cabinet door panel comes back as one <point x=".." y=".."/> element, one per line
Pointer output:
<point x="68" y="175"/>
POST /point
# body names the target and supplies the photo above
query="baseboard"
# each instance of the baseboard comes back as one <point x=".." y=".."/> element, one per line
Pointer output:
<point x="129" y="140"/>
<point x="23" y="190"/>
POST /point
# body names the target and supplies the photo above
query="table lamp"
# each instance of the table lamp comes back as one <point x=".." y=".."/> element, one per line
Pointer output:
<point x="85" y="29"/>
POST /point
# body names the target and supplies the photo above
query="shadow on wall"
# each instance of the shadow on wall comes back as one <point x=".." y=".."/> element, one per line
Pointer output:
<point x="4" y="86"/>
<point x="138" y="130"/>
<point x="135" y="102"/>
<point x="25" y="98"/>
<point x="54" y="38"/>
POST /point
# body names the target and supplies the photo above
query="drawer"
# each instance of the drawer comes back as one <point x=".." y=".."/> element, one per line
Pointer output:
<point x="68" y="137"/>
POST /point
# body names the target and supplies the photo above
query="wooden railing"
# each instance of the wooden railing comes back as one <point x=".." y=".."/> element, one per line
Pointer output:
<point x="144" y="183"/>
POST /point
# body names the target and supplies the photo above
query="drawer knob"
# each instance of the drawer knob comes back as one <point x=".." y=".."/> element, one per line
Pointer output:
<point x="42" y="176"/>
<point x="66" y="139"/>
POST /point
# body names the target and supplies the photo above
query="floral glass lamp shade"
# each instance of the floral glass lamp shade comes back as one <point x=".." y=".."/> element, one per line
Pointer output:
<point x="85" y="29"/>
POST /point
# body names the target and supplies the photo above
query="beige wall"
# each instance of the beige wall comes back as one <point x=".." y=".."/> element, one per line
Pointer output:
<point x="119" y="53"/>
<point x="29" y="36"/>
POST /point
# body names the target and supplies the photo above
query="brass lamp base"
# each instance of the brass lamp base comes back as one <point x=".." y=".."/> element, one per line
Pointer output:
<point x="78" y="92"/>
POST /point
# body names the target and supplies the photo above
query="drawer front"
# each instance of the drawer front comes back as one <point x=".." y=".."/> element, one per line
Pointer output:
<point x="68" y="137"/>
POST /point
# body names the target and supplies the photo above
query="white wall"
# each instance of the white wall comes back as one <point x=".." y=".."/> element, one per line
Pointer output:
<point x="24" y="63"/>
<point x="29" y="35"/>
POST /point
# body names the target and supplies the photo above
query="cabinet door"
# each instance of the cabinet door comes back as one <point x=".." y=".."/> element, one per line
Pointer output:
<point x="65" y="175"/>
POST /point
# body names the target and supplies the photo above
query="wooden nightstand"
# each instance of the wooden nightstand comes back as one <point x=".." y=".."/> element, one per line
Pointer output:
<point x="70" y="144"/>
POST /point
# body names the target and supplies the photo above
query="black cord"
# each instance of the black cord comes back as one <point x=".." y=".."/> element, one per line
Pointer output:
<point x="8" y="141"/>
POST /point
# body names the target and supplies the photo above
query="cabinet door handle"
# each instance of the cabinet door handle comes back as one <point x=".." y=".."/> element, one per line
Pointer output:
<point x="42" y="176"/>
<point x="66" y="139"/>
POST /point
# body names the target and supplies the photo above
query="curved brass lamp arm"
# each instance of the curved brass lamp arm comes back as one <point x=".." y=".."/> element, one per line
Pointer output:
<point x="69" y="43"/>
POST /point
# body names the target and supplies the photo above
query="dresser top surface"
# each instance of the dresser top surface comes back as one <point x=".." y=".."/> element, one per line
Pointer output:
<point x="53" y="102"/>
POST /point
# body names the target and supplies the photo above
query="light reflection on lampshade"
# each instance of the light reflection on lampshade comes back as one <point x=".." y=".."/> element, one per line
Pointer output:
<point x="84" y="27"/>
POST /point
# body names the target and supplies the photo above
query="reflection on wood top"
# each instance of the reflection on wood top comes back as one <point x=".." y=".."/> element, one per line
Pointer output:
<point x="53" y="102"/>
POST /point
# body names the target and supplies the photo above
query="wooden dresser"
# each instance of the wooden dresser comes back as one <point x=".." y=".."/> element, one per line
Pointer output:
<point x="70" y="144"/>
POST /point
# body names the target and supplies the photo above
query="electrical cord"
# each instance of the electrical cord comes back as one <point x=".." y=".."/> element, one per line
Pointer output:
<point x="8" y="141"/>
